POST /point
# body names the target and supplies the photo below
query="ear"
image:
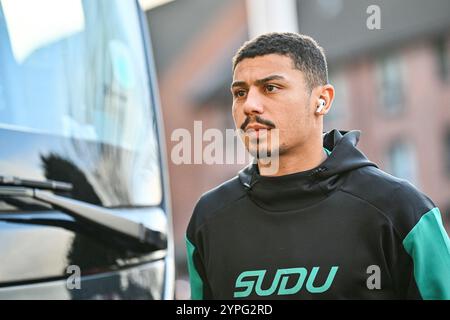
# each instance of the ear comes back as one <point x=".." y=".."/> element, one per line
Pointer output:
<point x="326" y="93"/>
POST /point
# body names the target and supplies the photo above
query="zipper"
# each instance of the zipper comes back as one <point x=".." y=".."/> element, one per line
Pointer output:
<point x="318" y="170"/>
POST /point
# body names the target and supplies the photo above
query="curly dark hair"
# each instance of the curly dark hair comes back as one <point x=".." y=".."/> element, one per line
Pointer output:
<point x="306" y="54"/>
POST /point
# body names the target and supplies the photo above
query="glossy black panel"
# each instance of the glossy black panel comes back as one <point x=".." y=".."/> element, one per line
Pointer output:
<point x="42" y="245"/>
<point x="100" y="173"/>
<point x="143" y="282"/>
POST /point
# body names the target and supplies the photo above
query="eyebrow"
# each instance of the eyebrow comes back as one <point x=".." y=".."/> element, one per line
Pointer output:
<point x="257" y="82"/>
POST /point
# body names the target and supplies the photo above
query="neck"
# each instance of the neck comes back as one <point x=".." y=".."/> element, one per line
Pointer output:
<point x="303" y="158"/>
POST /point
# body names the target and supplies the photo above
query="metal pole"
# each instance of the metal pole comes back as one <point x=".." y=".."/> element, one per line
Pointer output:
<point x="271" y="16"/>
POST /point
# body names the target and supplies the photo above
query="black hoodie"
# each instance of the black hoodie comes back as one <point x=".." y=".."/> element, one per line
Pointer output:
<point x="343" y="230"/>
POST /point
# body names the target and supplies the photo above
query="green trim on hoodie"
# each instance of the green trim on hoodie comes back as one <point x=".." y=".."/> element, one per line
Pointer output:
<point x="429" y="246"/>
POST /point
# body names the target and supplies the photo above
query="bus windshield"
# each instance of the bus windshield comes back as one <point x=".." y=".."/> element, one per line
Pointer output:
<point x="77" y="69"/>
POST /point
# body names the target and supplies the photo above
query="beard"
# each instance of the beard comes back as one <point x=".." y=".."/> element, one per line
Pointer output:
<point x="260" y="150"/>
<point x="264" y="146"/>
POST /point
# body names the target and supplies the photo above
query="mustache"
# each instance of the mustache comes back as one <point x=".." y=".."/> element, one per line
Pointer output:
<point x="259" y="120"/>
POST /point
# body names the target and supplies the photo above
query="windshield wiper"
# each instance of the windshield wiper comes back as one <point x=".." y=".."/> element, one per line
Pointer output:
<point x="42" y="185"/>
<point x="92" y="214"/>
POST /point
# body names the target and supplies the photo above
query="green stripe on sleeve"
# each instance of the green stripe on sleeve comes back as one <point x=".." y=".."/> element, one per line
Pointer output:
<point x="429" y="247"/>
<point x="194" y="277"/>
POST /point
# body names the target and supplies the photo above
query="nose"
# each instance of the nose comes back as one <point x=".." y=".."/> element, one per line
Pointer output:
<point x="253" y="103"/>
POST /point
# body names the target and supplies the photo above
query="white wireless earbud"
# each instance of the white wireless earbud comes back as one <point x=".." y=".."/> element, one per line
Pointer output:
<point x="321" y="105"/>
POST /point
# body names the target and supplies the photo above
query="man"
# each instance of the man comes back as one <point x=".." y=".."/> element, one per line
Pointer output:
<point x="328" y="224"/>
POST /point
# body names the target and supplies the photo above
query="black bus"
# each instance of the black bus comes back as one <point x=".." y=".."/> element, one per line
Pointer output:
<point x="84" y="200"/>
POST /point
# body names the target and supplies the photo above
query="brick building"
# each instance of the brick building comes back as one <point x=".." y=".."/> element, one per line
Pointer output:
<point x="393" y="84"/>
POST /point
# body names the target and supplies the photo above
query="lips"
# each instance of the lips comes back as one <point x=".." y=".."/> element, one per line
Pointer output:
<point x="256" y="127"/>
<point x="253" y="132"/>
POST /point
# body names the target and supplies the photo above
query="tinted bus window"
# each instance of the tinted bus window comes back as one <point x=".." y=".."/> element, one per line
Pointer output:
<point x="77" y="70"/>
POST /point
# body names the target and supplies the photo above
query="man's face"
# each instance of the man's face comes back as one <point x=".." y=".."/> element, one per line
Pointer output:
<point x="270" y="93"/>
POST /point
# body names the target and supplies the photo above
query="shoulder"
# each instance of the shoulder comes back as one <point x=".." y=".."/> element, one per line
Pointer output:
<point x="397" y="199"/>
<point x="215" y="201"/>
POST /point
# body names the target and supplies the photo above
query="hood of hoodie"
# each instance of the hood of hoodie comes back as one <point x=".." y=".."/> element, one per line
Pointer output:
<point x="303" y="189"/>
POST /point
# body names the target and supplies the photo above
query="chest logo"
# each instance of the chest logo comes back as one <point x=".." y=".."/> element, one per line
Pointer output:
<point x="246" y="280"/>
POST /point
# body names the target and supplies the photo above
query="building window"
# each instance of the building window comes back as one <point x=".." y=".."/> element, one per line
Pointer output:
<point x="401" y="161"/>
<point x="390" y="84"/>
<point x="446" y="217"/>
<point x="337" y="112"/>
<point x="447" y="152"/>
<point x="442" y="58"/>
